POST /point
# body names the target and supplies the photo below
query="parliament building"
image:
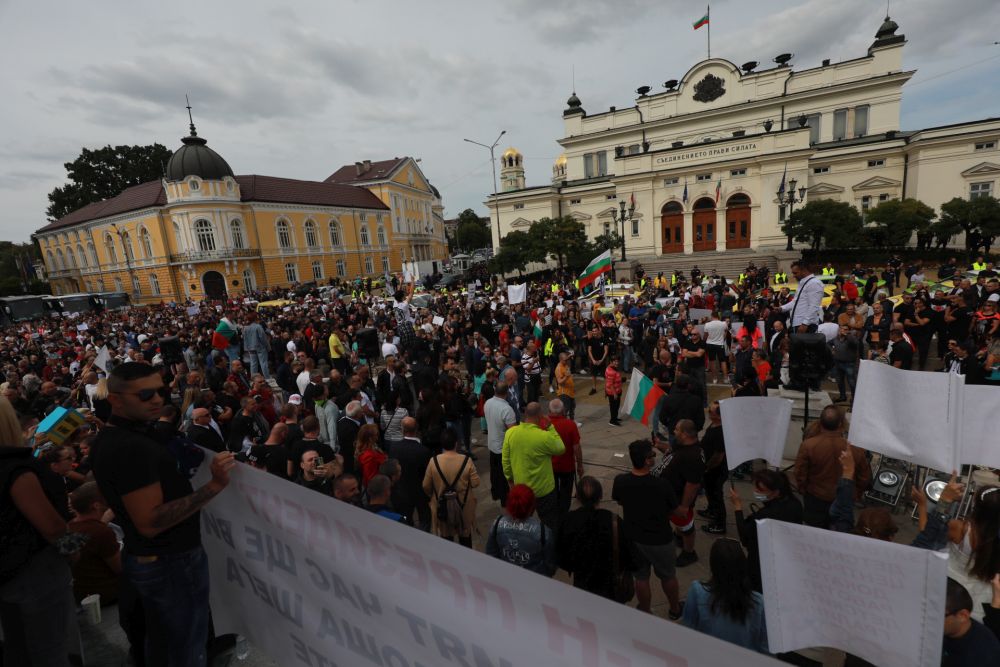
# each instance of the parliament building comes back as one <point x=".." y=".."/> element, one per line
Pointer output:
<point x="705" y="157"/>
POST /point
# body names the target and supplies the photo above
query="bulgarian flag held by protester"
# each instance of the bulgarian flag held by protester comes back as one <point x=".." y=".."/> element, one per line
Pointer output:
<point x="598" y="266"/>
<point x="702" y="21"/>
<point x="641" y="398"/>
<point x="223" y="334"/>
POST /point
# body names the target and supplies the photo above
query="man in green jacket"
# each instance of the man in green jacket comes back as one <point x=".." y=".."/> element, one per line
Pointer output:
<point x="528" y="449"/>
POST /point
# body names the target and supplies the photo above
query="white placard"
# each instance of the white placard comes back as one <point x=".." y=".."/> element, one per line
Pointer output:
<point x="755" y="427"/>
<point x="82" y="327"/>
<point x="697" y="314"/>
<point x="306" y="575"/>
<point x="517" y="293"/>
<point x="548" y="303"/>
<point x="437" y="320"/>
<point x="192" y="311"/>
<point x="875" y="599"/>
<point x="103" y="358"/>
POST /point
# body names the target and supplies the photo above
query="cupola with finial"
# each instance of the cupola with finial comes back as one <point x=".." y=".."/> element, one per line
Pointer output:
<point x="511" y="170"/>
<point x="195" y="158"/>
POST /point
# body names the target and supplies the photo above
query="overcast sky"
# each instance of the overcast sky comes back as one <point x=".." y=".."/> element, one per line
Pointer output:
<point x="300" y="89"/>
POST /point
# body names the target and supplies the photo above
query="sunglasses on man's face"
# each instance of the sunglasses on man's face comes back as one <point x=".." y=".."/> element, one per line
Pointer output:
<point x="146" y="395"/>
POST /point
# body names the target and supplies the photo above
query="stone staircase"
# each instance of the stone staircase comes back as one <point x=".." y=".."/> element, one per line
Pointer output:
<point x="729" y="264"/>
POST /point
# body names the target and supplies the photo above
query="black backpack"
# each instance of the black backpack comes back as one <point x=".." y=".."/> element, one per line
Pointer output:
<point x="449" y="507"/>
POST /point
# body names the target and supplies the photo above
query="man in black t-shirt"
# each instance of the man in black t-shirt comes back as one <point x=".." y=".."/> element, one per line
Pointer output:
<point x="693" y="352"/>
<point x="647" y="503"/>
<point x="315" y="476"/>
<point x="309" y="441"/>
<point x="713" y="447"/>
<point x="684" y="468"/>
<point x="901" y="355"/>
<point x="158" y="511"/>
<point x="597" y="355"/>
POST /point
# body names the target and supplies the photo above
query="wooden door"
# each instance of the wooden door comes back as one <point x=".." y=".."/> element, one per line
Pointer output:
<point x="704" y="230"/>
<point x="672" y="232"/>
<point x="738" y="222"/>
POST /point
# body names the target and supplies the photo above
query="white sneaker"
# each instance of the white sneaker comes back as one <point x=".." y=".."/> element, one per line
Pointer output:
<point x="579" y="424"/>
<point x="552" y="389"/>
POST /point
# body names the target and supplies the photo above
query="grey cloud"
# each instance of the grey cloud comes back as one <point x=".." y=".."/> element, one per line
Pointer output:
<point x="578" y="22"/>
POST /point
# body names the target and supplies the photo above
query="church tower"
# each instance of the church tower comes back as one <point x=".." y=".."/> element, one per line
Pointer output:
<point x="511" y="170"/>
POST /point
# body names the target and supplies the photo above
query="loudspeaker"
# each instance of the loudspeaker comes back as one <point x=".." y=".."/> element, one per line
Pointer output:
<point x="170" y="349"/>
<point x="933" y="484"/>
<point x="889" y="481"/>
<point x="809" y="357"/>
<point x="368" y="342"/>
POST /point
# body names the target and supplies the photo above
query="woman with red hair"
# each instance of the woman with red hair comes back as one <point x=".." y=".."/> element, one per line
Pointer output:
<point x="520" y="538"/>
<point x="367" y="453"/>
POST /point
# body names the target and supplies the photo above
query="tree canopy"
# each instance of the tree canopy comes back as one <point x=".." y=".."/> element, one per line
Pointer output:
<point x="564" y="239"/>
<point x="980" y="215"/>
<point x="472" y="232"/>
<point x="897" y="220"/>
<point x="103" y="173"/>
<point x="824" y="223"/>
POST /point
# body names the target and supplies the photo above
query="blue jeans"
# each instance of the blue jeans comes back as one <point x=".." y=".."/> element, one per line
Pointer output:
<point x="627" y="359"/>
<point x="258" y="363"/>
<point x="845" y="370"/>
<point x="174" y="593"/>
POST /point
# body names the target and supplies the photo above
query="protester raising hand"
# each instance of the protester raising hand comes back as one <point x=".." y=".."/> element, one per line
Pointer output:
<point x="847" y="463"/>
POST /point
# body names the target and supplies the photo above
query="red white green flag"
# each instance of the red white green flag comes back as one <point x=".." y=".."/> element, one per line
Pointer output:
<point x="641" y="398"/>
<point x="702" y="21"/>
<point x="598" y="266"/>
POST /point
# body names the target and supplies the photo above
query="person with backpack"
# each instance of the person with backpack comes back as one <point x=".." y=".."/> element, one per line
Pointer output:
<point x="448" y="482"/>
<point x="520" y="538"/>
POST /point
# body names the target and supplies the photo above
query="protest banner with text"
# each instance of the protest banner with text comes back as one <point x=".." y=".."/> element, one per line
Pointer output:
<point x="313" y="581"/>
<point x="755" y="427"/>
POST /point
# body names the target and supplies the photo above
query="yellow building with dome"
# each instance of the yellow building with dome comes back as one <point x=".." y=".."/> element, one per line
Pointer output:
<point x="202" y="232"/>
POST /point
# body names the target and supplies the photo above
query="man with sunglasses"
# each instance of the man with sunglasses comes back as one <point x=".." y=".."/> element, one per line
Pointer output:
<point x="159" y="512"/>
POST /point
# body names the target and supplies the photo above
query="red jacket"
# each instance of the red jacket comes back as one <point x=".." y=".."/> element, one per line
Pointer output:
<point x="570" y="434"/>
<point x="612" y="382"/>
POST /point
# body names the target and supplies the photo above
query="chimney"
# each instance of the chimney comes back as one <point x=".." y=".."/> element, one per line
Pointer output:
<point x="368" y="165"/>
<point x="826" y="62"/>
<point x="358" y="168"/>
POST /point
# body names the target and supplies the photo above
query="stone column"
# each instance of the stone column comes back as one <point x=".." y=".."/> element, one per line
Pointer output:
<point x="688" y="232"/>
<point x="720" y="229"/>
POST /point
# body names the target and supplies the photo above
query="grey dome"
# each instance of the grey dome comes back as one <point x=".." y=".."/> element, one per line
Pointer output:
<point x="573" y="102"/>
<point x="887" y="29"/>
<point x="195" y="158"/>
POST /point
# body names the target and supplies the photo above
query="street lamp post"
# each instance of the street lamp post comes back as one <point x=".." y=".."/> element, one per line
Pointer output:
<point x="491" y="148"/>
<point x="625" y="215"/>
<point x="789" y="199"/>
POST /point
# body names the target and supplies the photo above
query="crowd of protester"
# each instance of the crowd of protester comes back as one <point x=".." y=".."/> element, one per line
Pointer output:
<point x="376" y="396"/>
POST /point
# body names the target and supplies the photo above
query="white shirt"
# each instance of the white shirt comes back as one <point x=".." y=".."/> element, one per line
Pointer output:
<point x="388" y="349"/>
<point x="715" y="333"/>
<point x="809" y="296"/>
<point x="829" y="329"/>
<point x="302" y="381"/>
<point x="499" y="417"/>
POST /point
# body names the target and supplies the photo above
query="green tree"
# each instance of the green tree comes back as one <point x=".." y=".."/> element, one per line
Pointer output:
<point x="473" y="235"/>
<point x="103" y="173"/>
<point x="824" y="223"/>
<point x="980" y="215"/>
<point x="899" y="219"/>
<point x="564" y="239"/>
<point x="517" y="249"/>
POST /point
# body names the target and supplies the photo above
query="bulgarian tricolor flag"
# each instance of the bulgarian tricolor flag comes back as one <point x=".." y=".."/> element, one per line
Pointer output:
<point x="598" y="266"/>
<point x="702" y="21"/>
<point x="641" y="398"/>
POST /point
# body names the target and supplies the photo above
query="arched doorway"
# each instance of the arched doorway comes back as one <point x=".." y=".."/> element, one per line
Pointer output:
<point x="214" y="285"/>
<point x="703" y="224"/>
<point x="738" y="221"/>
<point x="672" y="227"/>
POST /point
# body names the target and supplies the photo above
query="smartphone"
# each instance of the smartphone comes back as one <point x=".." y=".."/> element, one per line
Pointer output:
<point x="319" y="462"/>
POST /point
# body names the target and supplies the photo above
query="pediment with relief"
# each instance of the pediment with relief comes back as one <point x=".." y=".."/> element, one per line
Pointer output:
<point x="580" y="217"/>
<point x="610" y="212"/>
<point x="825" y="189"/>
<point x="983" y="169"/>
<point x="877" y="183"/>
<point x="521" y="222"/>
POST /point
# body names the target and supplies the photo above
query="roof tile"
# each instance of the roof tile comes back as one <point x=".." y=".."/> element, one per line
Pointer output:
<point x="376" y="171"/>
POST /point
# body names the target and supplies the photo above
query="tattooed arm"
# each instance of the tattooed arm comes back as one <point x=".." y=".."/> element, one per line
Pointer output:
<point x="151" y="516"/>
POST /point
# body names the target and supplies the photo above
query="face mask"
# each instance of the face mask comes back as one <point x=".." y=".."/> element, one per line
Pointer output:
<point x="760" y="497"/>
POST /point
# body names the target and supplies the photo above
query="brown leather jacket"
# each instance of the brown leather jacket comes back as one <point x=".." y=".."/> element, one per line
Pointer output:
<point x="817" y="467"/>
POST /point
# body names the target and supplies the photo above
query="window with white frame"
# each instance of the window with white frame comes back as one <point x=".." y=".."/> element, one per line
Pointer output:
<point x="311" y="239"/>
<point x="291" y="272"/>
<point x="284" y="235"/>
<point x="194" y="185"/>
<point x="369" y="266"/>
<point x="154" y="284"/>
<point x="100" y="285"/>
<point x="249" y="280"/>
<point x="866" y="204"/>
<point x="109" y="245"/>
<point x="883" y="197"/>
<point x="51" y="260"/>
<point x="127" y="246"/>
<point x="146" y="243"/>
<point x="671" y="181"/>
<point x="317" y="269"/>
<point x="839" y="124"/>
<point x="986" y="145"/>
<point x="518" y="207"/>
<point x="821" y="170"/>
<point x="380" y="235"/>
<point x="609" y="196"/>
<point x="385" y="264"/>
<point x="365" y="239"/>
<point x="813" y="120"/>
<point x="574" y="201"/>
<point x="880" y="162"/>
<point x="136" y="287"/>
<point x="737" y="172"/>
<point x="236" y="231"/>
<point x="703" y="177"/>
<point x="70" y="259"/>
<point x="607" y="228"/>
<point x="635" y="227"/>
<point x="977" y="190"/>
<point x="204" y="235"/>
<point x="595" y="164"/>
<point x="178" y="237"/>
<point x="60" y="260"/>
<point x="119" y="287"/>
<point x="93" y="254"/>
<point x="82" y="254"/>
<point x="341" y="268"/>
<point x="335" y="234"/>
<point x="861" y="121"/>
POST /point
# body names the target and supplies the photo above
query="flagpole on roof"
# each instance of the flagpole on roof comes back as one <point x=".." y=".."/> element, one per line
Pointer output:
<point x="708" y="13"/>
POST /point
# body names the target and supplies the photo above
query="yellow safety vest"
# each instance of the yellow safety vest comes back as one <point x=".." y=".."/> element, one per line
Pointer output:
<point x="555" y="288"/>
<point x="742" y="277"/>
<point x="642" y="284"/>
<point x="548" y="347"/>
<point x="828" y="271"/>
<point x="576" y="283"/>
<point x="673" y="279"/>
<point x="979" y="266"/>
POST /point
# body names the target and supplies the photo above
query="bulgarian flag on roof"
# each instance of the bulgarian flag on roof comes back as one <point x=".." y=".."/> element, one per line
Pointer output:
<point x="641" y="398"/>
<point x="702" y="21"/>
<point x="598" y="266"/>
